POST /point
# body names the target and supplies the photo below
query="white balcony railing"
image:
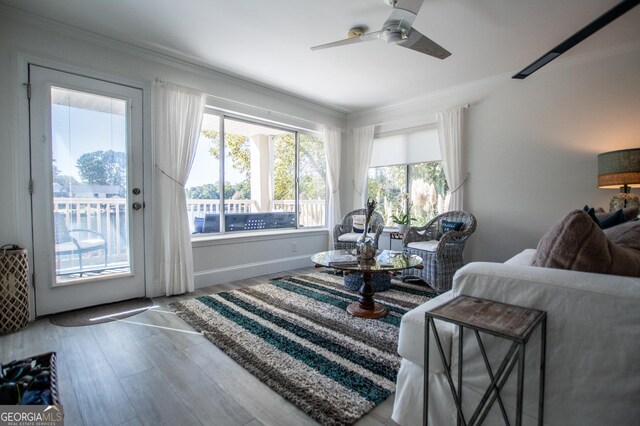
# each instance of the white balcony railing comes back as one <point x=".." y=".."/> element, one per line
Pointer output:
<point x="107" y="216"/>
<point x="312" y="212"/>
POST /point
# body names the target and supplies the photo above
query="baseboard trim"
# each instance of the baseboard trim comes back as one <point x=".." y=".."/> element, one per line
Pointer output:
<point x="250" y="270"/>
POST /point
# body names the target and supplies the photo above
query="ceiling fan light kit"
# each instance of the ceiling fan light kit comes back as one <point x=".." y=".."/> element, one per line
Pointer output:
<point x="398" y="30"/>
<point x="356" y="32"/>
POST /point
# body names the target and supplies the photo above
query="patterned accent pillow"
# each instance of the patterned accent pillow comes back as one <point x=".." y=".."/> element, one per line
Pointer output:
<point x="358" y="221"/>
<point x="449" y="225"/>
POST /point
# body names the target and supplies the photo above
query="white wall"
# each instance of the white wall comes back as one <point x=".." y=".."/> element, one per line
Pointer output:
<point x="23" y="37"/>
<point x="531" y="145"/>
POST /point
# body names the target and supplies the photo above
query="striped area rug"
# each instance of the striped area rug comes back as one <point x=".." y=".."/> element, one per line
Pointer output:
<point x="294" y="334"/>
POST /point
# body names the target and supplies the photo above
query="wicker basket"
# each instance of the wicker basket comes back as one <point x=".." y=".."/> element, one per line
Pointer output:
<point x="14" y="290"/>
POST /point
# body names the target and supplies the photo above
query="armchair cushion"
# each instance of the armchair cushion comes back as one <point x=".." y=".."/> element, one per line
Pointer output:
<point x="67" y="246"/>
<point x="430" y="245"/>
<point x="352" y="237"/>
<point x="90" y="243"/>
<point x="358" y="221"/>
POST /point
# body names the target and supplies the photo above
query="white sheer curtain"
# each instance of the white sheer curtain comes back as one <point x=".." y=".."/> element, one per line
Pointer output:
<point x="362" y="148"/>
<point x="177" y="121"/>
<point x="450" y="136"/>
<point x="332" y="149"/>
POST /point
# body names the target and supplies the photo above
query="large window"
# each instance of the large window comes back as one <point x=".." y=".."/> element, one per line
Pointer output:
<point x="262" y="164"/>
<point x="406" y="176"/>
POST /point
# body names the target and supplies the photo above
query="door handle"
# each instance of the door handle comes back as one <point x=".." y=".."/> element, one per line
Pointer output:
<point x="137" y="206"/>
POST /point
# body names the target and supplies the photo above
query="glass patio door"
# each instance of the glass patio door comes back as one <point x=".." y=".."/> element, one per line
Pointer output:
<point x="88" y="195"/>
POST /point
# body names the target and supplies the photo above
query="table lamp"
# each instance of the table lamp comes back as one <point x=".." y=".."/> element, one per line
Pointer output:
<point x="620" y="169"/>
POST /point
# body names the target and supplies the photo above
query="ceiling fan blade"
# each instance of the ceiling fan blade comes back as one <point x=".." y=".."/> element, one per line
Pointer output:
<point x="351" y="40"/>
<point x="412" y="6"/>
<point x="594" y="26"/>
<point x="423" y="44"/>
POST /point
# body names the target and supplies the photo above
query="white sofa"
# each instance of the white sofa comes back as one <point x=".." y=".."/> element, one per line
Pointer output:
<point x="593" y="348"/>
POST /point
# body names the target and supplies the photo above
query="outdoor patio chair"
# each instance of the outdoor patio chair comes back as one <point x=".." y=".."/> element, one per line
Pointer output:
<point x="441" y="249"/>
<point x="67" y="244"/>
<point x="345" y="239"/>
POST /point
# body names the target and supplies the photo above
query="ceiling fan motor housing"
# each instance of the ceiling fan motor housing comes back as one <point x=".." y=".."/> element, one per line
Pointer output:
<point x="395" y="31"/>
<point x="393" y="36"/>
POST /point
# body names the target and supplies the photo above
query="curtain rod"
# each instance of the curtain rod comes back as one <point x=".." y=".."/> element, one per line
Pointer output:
<point x="465" y="106"/>
<point x="268" y="111"/>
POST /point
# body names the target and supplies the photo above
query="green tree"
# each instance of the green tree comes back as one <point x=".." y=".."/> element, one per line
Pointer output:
<point x="284" y="167"/>
<point x="238" y="191"/>
<point x="236" y="146"/>
<point x="210" y="191"/>
<point x="103" y="168"/>
<point x="65" y="181"/>
<point x="386" y="185"/>
<point x="311" y="167"/>
<point x="204" y="192"/>
<point x="428" y="190"/>
<point x="432" y="173"/>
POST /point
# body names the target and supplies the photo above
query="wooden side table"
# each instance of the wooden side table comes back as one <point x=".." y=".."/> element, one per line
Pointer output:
<point x="510" y="322"/>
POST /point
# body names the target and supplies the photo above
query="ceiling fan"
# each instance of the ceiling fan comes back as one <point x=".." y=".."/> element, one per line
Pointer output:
<point x="397" y="29"/>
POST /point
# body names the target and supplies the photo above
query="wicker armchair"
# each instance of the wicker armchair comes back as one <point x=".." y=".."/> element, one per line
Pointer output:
<point x="442" y="258"/>
<point x="345" y="239"/>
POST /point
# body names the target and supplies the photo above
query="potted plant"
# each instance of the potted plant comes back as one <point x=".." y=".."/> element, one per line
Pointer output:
<point x="403" y="220"/>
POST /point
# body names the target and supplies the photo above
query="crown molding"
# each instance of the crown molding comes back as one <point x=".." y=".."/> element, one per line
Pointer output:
<point x="170" y="57"/>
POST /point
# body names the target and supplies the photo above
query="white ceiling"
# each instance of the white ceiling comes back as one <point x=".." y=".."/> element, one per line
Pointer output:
<point x="268" y="41"/>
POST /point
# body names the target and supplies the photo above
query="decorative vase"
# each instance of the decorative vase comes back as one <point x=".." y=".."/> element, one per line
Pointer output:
<point x="402" y="227"/>
<point x="365" y="246"/>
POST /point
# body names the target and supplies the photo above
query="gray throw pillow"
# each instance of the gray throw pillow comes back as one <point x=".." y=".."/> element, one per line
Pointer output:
<point x="577" y="243"/>
<point x="626" y="234"/>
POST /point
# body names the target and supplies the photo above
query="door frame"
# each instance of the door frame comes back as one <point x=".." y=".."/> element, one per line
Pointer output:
<point x="22" y="161"/>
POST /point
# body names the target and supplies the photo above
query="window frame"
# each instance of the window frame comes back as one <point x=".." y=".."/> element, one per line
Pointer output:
<point x="407" y="184"/>
<point x="296" y="131"/>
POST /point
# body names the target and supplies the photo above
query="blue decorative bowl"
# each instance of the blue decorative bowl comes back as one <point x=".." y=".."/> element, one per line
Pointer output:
<point x="379" y="282"/>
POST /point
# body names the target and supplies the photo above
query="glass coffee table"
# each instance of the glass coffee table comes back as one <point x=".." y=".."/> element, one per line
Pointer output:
<point x="385" y="262"/>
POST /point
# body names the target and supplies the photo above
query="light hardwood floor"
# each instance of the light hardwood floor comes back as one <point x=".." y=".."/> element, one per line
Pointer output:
<point x="154" y="369"/>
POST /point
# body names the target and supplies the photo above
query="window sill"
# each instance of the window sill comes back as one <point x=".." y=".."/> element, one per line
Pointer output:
<point x="248" y="236"/>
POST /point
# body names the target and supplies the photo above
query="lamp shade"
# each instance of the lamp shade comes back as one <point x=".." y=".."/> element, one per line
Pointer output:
<point x="619" y="168"/>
